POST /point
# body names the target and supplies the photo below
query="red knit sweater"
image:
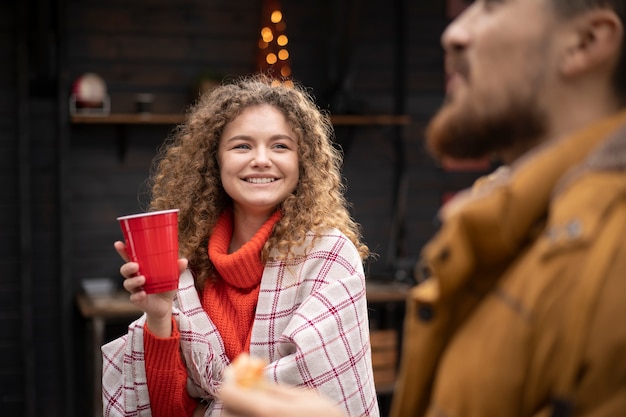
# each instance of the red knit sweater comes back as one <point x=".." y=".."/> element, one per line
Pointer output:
<point x="229" y="300"/>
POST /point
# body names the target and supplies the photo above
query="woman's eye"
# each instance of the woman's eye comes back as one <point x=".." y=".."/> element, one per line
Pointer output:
<point x="241" y="146"/>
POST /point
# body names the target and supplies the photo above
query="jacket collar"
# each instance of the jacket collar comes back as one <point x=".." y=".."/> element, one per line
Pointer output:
<point x="506" y="210"/>
<point x="611" y="155"/>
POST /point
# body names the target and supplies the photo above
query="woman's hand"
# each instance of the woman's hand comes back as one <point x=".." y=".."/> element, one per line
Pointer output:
<point x="275" y="401"/>
<point x="158" y="306"/>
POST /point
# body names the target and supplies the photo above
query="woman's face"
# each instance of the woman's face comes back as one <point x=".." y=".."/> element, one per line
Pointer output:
<point x="258" y="158"/>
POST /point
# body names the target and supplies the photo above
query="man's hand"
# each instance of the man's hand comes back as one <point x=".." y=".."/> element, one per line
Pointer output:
<point x="275" y="401"/>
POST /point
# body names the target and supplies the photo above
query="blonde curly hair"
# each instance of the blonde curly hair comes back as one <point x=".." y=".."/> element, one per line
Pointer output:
<point x="186" y="173"/>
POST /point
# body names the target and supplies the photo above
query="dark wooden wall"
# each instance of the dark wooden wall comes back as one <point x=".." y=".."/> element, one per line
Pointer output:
<point x="12" y="379"/>
<point x="64" y="184"/>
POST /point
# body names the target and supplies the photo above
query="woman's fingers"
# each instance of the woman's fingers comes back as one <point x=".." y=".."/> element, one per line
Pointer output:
<point x="182" y="264"/>
<point x="129" y="269"/>
<point x="133" y="284"/>
<point x="120" y="248"/>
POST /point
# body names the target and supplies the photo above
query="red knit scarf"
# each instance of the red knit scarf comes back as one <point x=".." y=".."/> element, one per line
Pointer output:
<point x="230" y="300"/>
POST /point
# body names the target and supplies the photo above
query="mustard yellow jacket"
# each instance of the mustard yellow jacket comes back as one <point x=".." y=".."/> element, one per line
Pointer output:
<point x="523" y="312"/>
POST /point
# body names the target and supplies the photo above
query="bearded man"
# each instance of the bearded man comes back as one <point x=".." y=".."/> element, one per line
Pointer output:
<point x="521" y="310"/>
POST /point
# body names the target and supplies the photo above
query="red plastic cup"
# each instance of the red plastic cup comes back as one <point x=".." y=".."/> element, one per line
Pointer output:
<point x="152" y="241"/>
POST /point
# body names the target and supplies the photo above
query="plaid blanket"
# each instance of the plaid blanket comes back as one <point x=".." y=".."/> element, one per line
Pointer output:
<point x="311" y="326"/>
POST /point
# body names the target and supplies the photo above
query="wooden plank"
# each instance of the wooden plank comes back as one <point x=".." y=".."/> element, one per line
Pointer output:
<point x="167" y="18"/>
<point x="370" y="119"/>
<point x="130" y="118"/>
<point x="384" y="379"/>
<point x="383" y="339"/>
<point x="110" y="306"/>
<point x="383" y="293"/>
<point x="383" y="359"/>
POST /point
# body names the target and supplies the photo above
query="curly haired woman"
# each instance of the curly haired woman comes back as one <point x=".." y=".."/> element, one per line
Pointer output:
<point x="271" y="262"/>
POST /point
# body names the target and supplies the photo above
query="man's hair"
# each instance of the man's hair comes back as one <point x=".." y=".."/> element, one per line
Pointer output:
<point x="568" y="8"/>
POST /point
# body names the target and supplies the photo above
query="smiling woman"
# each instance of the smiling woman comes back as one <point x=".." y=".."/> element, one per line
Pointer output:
<point x="258" y="158"/>
<point x="271" y="261"/>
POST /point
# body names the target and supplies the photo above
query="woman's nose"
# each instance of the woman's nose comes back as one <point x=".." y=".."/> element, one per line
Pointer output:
<point x="261" y="158"/>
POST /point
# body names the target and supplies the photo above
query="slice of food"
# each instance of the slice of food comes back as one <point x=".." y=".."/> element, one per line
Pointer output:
<point x="246" y="371"/>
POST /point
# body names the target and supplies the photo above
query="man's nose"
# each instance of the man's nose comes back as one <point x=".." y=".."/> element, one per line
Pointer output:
<point x="457" y="35"/>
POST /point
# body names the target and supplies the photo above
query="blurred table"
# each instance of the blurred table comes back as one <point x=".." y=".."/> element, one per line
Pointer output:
<point x="386" y="302"/>
<point x="382" y="292"/>
<point x="98" y="310"/>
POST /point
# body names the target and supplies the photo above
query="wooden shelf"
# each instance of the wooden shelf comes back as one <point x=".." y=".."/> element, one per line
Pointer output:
<point x="172" y="119"/>
<point x="370" y="119"/>
<point x="386" y="292"/>
<point x="128" y="119"/>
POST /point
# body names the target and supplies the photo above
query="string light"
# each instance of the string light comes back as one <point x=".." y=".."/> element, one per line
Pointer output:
<point x="273" y="41"/>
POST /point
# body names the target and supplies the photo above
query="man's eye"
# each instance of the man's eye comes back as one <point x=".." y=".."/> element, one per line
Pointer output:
<point x="490" y="4"/>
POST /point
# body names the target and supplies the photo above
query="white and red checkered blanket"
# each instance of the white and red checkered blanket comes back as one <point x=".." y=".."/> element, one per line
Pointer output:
<point x="311" y="326"/>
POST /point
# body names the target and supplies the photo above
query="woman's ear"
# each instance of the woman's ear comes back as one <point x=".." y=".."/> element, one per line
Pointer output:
<point x="596" y="40"/>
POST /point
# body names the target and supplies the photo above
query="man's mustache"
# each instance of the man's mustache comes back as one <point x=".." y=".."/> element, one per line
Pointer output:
<point x="456" y="64"/>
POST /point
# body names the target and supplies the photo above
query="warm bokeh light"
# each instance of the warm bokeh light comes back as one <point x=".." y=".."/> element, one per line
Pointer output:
<point x="273" y="55"/>
<point x="271" y="58"/>
<point x="267" y="35"/>
<point x="276" y="16"/>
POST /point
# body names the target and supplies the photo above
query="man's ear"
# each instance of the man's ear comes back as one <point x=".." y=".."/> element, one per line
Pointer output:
<point x="596" y="40"/>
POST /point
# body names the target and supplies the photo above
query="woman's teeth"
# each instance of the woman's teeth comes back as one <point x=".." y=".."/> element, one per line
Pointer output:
<point x="260" y="180"/>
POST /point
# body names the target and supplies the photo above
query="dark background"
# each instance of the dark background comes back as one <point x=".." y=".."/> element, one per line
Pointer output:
<point x="64" y="184"/>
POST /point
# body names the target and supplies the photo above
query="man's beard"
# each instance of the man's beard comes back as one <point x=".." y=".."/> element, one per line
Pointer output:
<point x="473" y="131"/>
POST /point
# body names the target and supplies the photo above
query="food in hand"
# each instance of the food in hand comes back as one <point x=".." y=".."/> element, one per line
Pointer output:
<point x="246" y="371"/>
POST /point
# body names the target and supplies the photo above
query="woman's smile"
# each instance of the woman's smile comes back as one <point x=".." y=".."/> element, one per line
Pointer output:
<point x="265" y="180"/>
